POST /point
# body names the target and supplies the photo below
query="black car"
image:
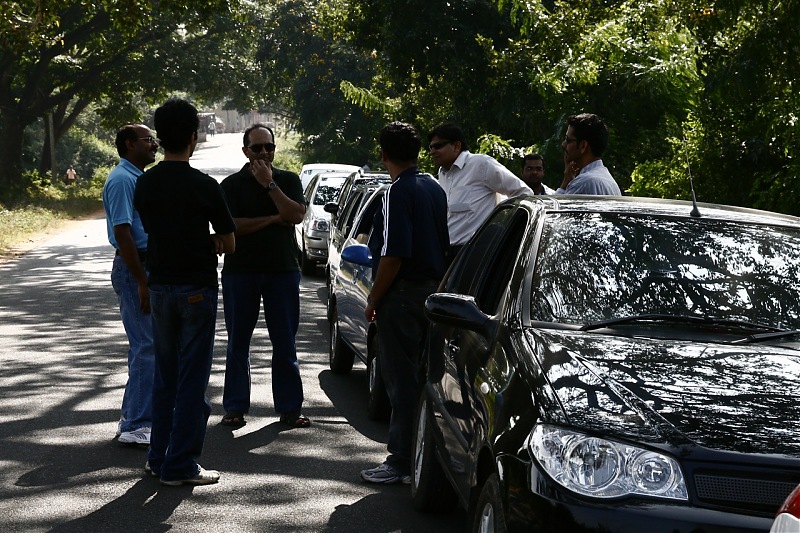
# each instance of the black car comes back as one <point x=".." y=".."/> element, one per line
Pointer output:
<point x="614" y="364"/>
<point x="350" y="281"/>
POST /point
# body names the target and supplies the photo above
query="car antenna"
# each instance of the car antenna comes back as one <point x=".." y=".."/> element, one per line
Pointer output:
<point x="695" y="213"/>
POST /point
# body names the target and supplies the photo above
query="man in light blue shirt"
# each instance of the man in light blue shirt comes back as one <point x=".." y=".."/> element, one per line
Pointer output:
<point x="584" y="172"/>
<point x="137" y="148"/>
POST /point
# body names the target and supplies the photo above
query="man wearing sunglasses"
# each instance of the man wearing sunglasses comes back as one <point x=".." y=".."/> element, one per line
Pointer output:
<point x="584" y="171"/>
<point x="474" y="183"/>
<point x="266" y="203"/>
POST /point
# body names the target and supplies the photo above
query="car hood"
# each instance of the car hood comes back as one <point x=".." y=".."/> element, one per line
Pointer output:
<point x="737" y="398"/>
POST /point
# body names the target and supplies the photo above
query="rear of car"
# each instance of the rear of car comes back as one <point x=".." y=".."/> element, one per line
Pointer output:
<point x="315" y="228"/>
<point x="312" y="169"/>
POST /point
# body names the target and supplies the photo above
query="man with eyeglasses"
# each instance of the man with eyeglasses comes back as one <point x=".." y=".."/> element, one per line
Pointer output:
<point x="474" y="183"/>
<point x="136" y="148"/>
<point x="584" y="171"/>
<point x="266" y="203"/>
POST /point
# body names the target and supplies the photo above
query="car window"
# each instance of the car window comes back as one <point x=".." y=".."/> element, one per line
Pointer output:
<point x="495" y="278"/>
<point x="309" y="188"/>
<point x="365" y="221"/>
<point x="468" y="267"/>
<point x="345" y="221"/>
<point x="598" y="266"/>
<point x="328" y="191"/>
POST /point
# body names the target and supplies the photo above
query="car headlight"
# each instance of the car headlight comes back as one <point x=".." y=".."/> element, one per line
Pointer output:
<point x="602" y="468"/>
<point x="319" y="224"/>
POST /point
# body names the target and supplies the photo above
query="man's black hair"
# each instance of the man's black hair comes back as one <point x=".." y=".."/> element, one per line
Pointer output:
<point x="532" y="157"/>
<point x="449" y="132"/>
<point x="246" y="137"/>
<point x="176" y="121"/>
<point x="592" y="129"/>
<point x="400" y="142"/>
<point x="125" y="133"/>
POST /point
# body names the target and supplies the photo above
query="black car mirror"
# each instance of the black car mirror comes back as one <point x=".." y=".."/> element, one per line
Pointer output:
<point x="459" y="311"/>
<point x="331" y="207"/>
<point x="358" y="254"/>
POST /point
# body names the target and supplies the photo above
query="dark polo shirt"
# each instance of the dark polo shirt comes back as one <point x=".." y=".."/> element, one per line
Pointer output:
<point x="415" y="226"/>
<point x="269" y="250"/>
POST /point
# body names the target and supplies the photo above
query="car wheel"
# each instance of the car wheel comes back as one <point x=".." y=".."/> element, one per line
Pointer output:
<point x="378" y="407"/>
<point x="489" y="516"/>
<point x="308" y="266"/>
<point x="340" y="357"/>
<point x="430" y="489"/>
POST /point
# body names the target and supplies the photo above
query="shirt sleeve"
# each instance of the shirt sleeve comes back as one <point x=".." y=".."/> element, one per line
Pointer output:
<point x="503" y="181"/>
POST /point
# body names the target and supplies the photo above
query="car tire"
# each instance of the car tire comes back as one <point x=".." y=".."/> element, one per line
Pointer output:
<point x="431" y="491"/>
<point x="340" y="356"/>
<point x="489" y="515"/>
<point x="378" y="406"/>
<point x="308" y="266"/>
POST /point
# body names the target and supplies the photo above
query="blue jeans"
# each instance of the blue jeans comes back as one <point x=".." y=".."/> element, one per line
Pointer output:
<point x="137" y="401"/>
<point x="242" y="295"/>
<point x="184" y="318"/>
<point x="402" y="325"/>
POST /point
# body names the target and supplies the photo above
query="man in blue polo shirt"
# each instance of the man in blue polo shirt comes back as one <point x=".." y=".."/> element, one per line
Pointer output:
<point x="137" y="148"/>
<point x="412" y="261"/>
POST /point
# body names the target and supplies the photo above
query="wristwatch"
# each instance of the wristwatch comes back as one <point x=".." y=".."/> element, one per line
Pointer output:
<point x="272" y="186"/>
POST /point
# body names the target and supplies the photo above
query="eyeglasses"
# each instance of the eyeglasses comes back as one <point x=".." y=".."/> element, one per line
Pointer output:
<point x="437" y="145"/>
<point x="568" y="140"/>
<point x="150" y="139"/>
<point x="269" y="147"/>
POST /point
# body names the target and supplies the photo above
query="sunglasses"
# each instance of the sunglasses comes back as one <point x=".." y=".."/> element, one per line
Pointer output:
<point x="269" y="147"/>
<point x="568" y="140"/>
<point x="437" y="145"/>
<point x="150" y="139"/>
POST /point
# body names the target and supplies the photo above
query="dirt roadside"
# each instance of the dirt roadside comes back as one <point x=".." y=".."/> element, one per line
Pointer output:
<point x="30" y="242"/>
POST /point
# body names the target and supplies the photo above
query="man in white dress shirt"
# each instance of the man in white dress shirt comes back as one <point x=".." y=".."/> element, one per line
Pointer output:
<point x="584" y="171"/>
<point x="474" y="183"/>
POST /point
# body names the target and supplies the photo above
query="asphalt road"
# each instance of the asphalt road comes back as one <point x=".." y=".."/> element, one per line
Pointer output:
<point x="62" y="373"/>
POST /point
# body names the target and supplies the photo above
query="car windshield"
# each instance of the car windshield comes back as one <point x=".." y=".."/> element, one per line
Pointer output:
<point x="328" y="191"/>
<point x="593" y="267"/>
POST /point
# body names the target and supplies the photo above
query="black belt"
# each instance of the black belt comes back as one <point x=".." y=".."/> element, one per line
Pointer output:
<point x="142" y="254"/>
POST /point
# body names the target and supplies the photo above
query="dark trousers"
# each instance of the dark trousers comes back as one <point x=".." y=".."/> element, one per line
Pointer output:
<point x="184" y="318"/>
<point x="402" y="325"/>
<point x="242" y="295"/>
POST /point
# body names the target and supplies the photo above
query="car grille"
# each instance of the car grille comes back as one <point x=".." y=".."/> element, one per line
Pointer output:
<point x="759" y="495"/>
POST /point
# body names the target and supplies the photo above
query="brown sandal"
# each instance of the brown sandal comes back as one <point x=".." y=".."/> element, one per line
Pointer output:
<point x="233" y="420"/>
<point x="295" y="420"/>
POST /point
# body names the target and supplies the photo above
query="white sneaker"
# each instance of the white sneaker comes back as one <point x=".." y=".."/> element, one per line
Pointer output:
<point x="119" y="427"/>
<point x="137" y="436"/>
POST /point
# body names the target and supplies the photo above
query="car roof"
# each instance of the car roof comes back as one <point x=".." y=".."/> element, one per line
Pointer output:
<point x="323" y="176"/>
<point x="636" y="205"/>
<point x="328" y="167"/>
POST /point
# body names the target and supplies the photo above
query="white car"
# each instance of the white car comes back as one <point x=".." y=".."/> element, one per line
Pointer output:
<point x="312" y="169"/>
<point x="314" y="231"/>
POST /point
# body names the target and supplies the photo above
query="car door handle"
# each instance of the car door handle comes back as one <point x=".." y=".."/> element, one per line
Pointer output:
<point x="453" y="348"/>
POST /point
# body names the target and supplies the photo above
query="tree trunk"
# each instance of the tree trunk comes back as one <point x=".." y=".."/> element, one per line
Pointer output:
<point x="12" y="127"/>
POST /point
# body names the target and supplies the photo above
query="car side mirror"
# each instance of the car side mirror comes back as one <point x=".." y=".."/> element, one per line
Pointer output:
<point x="358" y="254"/>
<point x="331" y="207"/>
<point x="459" y="311"/>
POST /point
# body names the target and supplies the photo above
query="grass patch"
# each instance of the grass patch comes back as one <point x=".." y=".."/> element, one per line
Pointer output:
<point x="43" y="207"/>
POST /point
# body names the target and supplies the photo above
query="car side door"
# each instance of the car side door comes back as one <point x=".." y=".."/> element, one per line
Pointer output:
<point x="457" y="355"/>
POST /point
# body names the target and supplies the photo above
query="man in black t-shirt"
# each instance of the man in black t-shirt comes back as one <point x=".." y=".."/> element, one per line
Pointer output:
<point x="266" y="203"/>
<point x="177" y="203"/>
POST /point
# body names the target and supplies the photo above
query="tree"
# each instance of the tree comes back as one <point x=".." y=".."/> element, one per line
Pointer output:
<point x="59" y="57"/>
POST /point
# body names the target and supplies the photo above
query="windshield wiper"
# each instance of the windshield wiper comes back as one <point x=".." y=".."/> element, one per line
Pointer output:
<point x="771" y="335"/>
<point x="679" y="319"/>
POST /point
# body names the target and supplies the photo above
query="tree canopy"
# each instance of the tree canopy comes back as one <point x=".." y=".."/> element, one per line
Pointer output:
<point x="707" y="89"/>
